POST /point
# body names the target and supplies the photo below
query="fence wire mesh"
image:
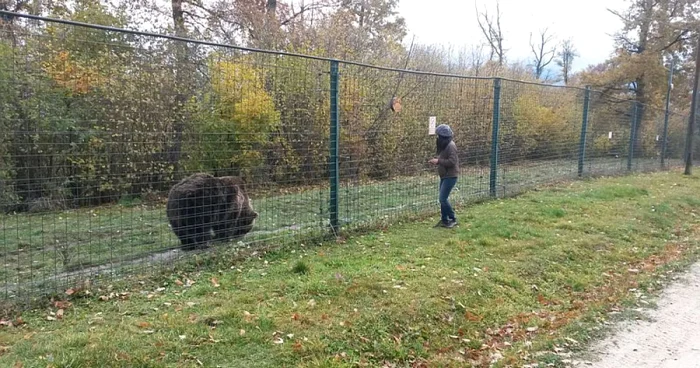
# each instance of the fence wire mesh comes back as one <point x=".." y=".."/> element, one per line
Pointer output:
<point x="539" y="135"/>
<point x="97" y="126"/>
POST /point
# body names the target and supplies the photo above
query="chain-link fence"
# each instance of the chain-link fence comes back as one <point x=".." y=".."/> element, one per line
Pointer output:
<point x="98" y="124"/>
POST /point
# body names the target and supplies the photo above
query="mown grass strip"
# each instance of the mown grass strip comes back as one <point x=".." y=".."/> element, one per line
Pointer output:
<point x="519" y="281"/>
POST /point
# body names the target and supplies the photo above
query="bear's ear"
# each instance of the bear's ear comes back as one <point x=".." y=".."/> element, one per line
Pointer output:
<point x="243" y="183"/>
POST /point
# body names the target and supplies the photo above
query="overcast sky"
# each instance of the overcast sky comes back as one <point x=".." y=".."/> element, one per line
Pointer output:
<point x="453" y="22"/>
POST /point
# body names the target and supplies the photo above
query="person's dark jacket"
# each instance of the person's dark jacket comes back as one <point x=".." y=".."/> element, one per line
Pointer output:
<point x="448" y="162"/>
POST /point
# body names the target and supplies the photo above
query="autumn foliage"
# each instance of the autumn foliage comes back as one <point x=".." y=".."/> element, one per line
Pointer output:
<point x="91" y="116"/>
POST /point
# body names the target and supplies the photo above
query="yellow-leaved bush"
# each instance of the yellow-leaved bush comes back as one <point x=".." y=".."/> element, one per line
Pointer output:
<point x="235" y="122"/>
<point x="544" y="131"/>
<point x="71" y="75"/>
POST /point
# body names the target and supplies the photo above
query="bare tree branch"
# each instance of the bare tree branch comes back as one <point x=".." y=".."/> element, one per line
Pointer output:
<point x="683" y="36"/>
<point x="543" y="54"/>
<point x="302" y="10"/>
<point x="566" y="57"/>
<point x="491" y="29"/>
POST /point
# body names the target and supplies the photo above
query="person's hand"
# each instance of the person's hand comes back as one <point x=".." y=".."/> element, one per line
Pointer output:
<point x="434" y="161"/>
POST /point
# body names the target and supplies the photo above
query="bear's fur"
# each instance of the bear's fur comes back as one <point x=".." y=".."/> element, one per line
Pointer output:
<point x="202" y="203"/>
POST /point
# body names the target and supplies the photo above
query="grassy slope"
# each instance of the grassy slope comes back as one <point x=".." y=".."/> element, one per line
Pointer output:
<point x="34" y="247"/>
<point x="513" y="281"/>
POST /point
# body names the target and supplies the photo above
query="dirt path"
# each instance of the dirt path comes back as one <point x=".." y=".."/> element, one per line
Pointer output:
<point x="670" y="339"/>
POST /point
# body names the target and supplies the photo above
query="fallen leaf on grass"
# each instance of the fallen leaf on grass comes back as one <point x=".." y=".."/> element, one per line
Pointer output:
<point x="143" y="324"/>
<point x="70" y="292"/>
<point x="215" y="282"/>
<point x="241" y="332"/>
<point x="211" y="339"/>
<point x="472" y="317"/>
<point x="59" y="314"/>
<point x="62" y="304"/>
<point x="531" y="329"/>
<point x="178" y="282"/>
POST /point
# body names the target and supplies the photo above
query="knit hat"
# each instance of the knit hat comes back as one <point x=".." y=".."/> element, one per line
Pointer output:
<point x="443" y="130"/>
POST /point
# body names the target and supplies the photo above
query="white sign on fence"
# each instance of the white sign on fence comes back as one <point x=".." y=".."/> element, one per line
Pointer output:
<point x="610" y="135"/>
<point x="431" y="125"/>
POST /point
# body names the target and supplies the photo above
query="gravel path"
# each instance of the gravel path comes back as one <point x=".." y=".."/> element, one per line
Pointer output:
<point x="670" y="339"/>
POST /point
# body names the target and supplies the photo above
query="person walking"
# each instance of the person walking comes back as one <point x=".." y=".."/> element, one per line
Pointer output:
<point x="447" y="163"/>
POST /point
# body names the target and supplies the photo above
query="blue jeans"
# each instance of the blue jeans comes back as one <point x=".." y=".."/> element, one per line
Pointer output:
<point x="446" y="186"/>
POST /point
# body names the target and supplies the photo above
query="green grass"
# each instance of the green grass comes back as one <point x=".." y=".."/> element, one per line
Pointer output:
<point x="516" y="279"/>
<point x="42" y="252"/>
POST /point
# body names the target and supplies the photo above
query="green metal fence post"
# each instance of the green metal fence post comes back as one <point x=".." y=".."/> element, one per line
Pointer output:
<point x="494" y="135"/>
<point x="633" y="135"/>
<point x="333" y="171"/>
<point x="584" y="131"/>
<point x="664" y="142"/>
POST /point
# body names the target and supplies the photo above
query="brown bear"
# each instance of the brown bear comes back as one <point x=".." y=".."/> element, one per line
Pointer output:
<point x="201" y="204"/>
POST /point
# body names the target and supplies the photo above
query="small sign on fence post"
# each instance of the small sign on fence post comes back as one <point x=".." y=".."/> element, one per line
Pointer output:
<point x="610" y="135"/>
<point x="431" y="125"/>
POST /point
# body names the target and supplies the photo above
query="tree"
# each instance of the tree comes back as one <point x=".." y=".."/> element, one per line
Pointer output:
<point x="491" y="29"/>
<point x="373" y="27"/>
<point x="565" y="59"/>
<point x="542" y="52"/>
<point x="635" y="71"/>
<point x="476" y="59"/>
<point x="181" y="76"/>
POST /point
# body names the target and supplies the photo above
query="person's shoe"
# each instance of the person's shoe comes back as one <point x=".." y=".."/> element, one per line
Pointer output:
<point x="451" y="224"/>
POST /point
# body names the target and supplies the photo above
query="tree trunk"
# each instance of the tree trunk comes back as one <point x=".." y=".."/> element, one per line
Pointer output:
<point x="174" y="151"/>
<point x="640" y="112"/>
<point x="271" y="7"/>
<point x="641" y="92"/>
